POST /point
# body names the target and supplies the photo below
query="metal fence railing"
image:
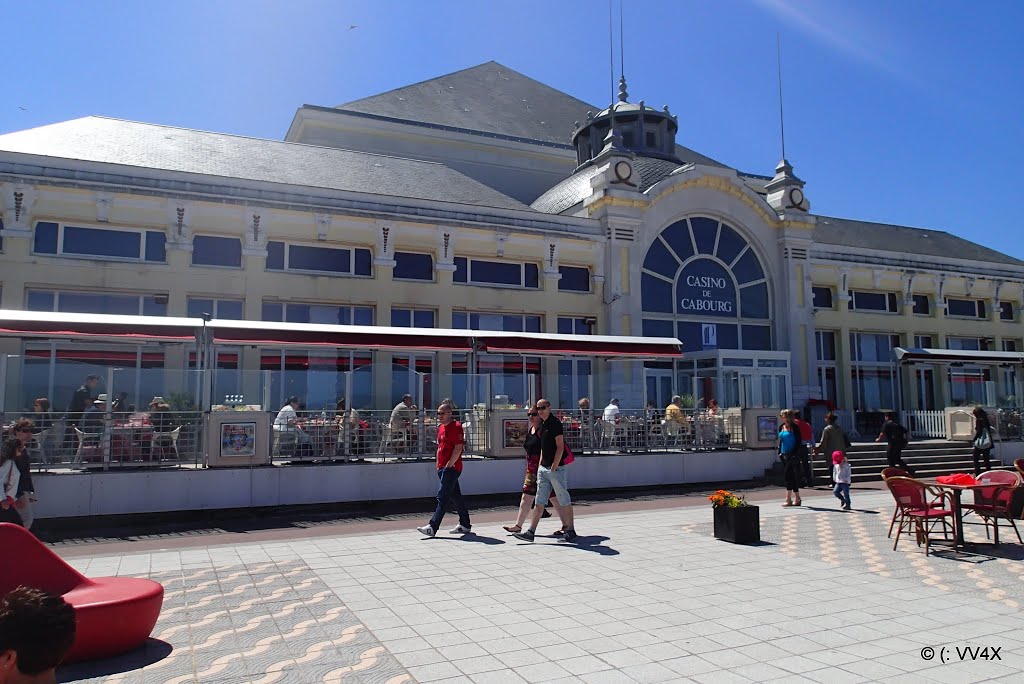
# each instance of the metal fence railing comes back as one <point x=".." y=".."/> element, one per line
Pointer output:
<point x="651" y="430"/>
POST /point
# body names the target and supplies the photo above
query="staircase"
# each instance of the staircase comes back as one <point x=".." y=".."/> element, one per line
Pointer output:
<point x="927" y="459"/>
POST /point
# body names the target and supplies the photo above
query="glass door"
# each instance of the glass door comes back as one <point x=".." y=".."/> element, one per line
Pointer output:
<point x="658" y="387"/>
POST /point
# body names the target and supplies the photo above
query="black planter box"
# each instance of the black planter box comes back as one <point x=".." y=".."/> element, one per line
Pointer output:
<point x="738" y="525"/>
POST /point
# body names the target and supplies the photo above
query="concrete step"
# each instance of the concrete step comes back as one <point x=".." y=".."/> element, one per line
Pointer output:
<point x="923" y="469"/>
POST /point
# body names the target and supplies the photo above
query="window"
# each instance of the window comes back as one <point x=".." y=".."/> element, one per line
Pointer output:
<point x="873" y="301"/>
<point x="293" y="312"/>
<point x="966" y="343"/>
<point x="826" y="343"/>
<point x="507" y="273"/>
<point x="822" y="297"/>
<point x="282" y="256"/>
<point x="319" y="377"/>
<point x="965" y="308"/>
<point x="96" y="303"/>
<point x="474" y="320"/>
<point x="922" y="305"/>
<point x="871" y="372"/>
<point x="1006" y="311"/>
<point x="574" y="279"/>
<point x="923" y="341"/>
<point x="873" y="347"/>
<point x="409" y="266"/>
<point x="208" y="250"/>
<point x="412" y="318"/>
<point x="104" y="243"/>
<point x="576" y="326"/>
<point x="227" y="309"/>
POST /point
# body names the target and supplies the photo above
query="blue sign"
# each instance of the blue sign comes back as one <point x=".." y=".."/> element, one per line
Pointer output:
<point x="705" y="287"/>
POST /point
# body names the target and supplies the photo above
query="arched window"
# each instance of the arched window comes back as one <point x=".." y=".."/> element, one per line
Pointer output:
<point x="702" y="279"/>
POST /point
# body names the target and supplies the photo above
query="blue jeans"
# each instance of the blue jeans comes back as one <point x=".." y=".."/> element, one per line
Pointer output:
<point x="448" y="491"/>
<point x="842" y="492"/>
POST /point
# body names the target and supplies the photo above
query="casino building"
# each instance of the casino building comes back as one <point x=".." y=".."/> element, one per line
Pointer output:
<point x="486" y="200"/>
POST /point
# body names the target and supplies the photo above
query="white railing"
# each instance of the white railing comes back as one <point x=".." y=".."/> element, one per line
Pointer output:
<point x="924" y="423"/>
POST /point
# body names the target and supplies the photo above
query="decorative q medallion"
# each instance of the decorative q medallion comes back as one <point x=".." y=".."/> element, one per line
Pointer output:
<point x="623" y="174"/>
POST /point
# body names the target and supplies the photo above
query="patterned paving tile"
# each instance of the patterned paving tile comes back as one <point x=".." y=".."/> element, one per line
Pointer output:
<point x="271" y="623"/>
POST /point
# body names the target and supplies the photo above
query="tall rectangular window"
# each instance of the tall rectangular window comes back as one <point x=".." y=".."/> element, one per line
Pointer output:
<point x="57" y="239"/>
<point x="574" y="279"/>
<point x="922" y="305"/>
<point x="282" y="256"/>
<point x="210" y="250"/>
<point x="410" y="266"/>
<point x="826" y="343"/>
<point x="872" y="371"/>
<point x="1006" y="311"/>
<point x="822" y="297"/>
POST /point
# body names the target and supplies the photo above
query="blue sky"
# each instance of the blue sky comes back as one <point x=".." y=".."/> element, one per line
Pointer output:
<point x="906" y="112"/>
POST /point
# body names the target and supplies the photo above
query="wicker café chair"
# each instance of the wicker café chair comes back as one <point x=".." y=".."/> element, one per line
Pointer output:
<point x="940" y="502"/>
<point x="915" y="511"/>
<point x="1019" y="465"/>
<point x="992" y="502"/>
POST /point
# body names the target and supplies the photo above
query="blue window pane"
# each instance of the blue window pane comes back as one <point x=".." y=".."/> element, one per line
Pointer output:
<point x="954" y="307"/>
<point x="297" y="313"/>
<point x="362" y="315"/>
<point x="678" y="238"/>
<point x="748" y="268"/>
<point x="197" y="307"/>
<point x="46" y="238"/>
<point x="496" y="272"/>
<point x="326" y="315"/>
<point x="728" y="336"/>
<point x="409" y="266"/>
<point x="565" y="326"/>
<point x="459" y="320"/>
<point x="461" y="270"/>
<point x="757" y="337"/>
<point x="532" y="324"/>
<point x="101" y="242"/>
<point x="78" y="302"/>
<point x="660" y="260"/>
<point x="512" y="323"/>
<point x="363" y="259"/>
<point x="705" y="232"/>
<point x="273" y="311"/>
<point x="730" y="244"/>
<point x="154" y="306"/>
<point x="401" y="318"/>
<point x="344" y="316"/>
<point x="324" y="259"/>
<point x="691" y="335"/>
<point x="230" y="309"/>
<point x="216" y="251"/>
<point x="275" y="256"/>
<point x="655" y="294"/>
<point x="156" y="246"/>
<point x="39" y="301"/>
<point x="754" y="301"/>
<point x="657" y="328"/>
<point x="574" y="279"/>
<point x="532" y="275"/>
<point x="423" y="319"/>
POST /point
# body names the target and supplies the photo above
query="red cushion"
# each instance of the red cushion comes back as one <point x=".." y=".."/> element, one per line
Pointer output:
<point x="929" y="513"/>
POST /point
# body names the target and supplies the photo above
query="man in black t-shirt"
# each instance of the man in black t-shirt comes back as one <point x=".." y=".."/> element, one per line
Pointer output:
<point x="896" y="435"/>
<point x="551" y="475"/>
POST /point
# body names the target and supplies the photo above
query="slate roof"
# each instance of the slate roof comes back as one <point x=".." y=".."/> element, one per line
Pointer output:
<point x="152" y="146"/>
<point x="576" y="187"/>
<point x="904" y="240"/>
<point x="491" y="98"/>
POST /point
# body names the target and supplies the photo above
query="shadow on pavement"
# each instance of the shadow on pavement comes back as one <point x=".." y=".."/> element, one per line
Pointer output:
<point x="152" y="651"/>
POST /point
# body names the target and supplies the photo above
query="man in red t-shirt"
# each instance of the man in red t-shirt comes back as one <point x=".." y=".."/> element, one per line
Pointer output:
<point x="450" y="443"/>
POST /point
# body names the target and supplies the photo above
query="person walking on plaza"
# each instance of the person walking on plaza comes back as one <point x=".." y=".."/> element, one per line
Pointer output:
<point x="789" y="452"/>
<point x="807" y="442"/>
<point x="551" y="476"/>
<point x="896" y="436"/>
<point x="532" y="445"/>
<point x="833" y="438"/>
<point x="15" y="449"/>
<point x="450" y="444"/>
<point x="37" y="630"/>
<point x="843" y="477"/>
<point x="983" y="442"/>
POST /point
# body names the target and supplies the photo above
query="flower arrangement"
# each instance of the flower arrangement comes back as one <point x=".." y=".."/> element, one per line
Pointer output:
<point x="725" y="499"/>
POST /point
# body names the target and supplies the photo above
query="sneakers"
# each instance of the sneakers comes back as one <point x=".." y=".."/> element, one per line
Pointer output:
<point x="569" y="535"/>
<point x="846" y="507"/>
<point x="460" y="529"/>
<point x="525" y="535"/>
<point x="559" y="533"/>
<point x="426" y="531"/>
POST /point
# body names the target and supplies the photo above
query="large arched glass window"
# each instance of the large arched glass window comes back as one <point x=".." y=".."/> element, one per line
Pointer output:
<point x="702" y="280"/>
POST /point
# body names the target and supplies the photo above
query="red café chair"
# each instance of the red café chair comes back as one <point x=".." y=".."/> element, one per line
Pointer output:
<point x="114" y="614"/>
<point x="993" y="501"/>
<point x="1019" y="465"/>
<point x="916" y="511"/>
<point x="899" y="472"/>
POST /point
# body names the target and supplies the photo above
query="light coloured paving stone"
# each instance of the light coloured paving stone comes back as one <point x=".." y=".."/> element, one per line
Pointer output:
<point x="427" y="656"/>
<point x="434" y="672"/>
<point x="690" y="665"/>
<point x="506" y="676"/>
<point x="478" y="664"/>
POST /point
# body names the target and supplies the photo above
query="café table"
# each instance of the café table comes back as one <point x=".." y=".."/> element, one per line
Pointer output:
<point x="956" y="491"/>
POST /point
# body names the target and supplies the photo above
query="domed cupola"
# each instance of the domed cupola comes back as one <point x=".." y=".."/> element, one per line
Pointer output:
<point x="640" y="129"/>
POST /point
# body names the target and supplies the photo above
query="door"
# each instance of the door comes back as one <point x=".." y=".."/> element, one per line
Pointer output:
<point x="658" y="387"/>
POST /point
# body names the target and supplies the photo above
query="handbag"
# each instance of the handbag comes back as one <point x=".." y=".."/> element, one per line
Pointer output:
<point x="567" y="456"/>
<point x="984" y="441"/>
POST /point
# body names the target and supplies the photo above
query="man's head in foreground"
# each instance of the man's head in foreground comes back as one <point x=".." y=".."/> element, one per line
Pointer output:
<point x="36" y="631"/>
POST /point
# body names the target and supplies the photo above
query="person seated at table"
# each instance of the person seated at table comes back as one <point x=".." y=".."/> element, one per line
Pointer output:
<point x="287" y="422"/>
<point x="164" y="422"/>
<point x="403" y="414"/>
<point x="95" y="416"/>
<point x="121" y="407"/>
<point x="611" y="412"/>
<point x="674" y="411"/>
<point x="713" y="408"/>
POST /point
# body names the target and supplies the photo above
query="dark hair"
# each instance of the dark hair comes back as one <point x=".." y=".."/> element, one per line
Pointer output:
<point x="291" y="400"/>
<point x="888" y="415"/>
<point x="39" y="627"/>
<point x="23" y="425"/>
<point x="830" y="417"/>
<point x="43" y="402"/>
<point x="981" y="415"/>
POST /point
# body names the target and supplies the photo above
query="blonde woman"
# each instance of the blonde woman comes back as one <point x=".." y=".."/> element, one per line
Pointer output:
<point x="532" y="447"/>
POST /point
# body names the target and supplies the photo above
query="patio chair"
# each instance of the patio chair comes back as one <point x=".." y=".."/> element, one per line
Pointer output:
<point x="164" y="442"/>
<point x="611" y="434"/>
<point x="88" y="446"/>
<point x="1019" y="465"/>
<point x="396" y="439"/>
<point x="940" y="502"/>
<point x="914" y="508"/>
<point x="285" y="443"/>
<point x="993" y="503"/>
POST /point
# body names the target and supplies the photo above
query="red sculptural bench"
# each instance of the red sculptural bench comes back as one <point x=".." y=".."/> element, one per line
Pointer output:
<point x="114" y="614"/>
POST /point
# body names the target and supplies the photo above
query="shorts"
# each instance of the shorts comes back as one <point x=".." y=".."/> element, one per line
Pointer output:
<point x="557" y="481"/>
<point x="530" y="483"/>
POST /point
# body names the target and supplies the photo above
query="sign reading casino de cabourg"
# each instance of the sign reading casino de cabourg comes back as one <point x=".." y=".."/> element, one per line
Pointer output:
<point x="706" y="287"/>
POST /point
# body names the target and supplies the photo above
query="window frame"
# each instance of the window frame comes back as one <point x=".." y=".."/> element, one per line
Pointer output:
<point x="507" y="286"/>
<point x="142" y="232"/>
<point x="831" y="297"/>
<point x="981" y="311"/>
<point x="413" y="310"/>
<point x="590" y="279"/>
<point x="892" y="302"/>
<point x="286" y="268"/>
<point x="918" y="298"/>
<point x="216" y="305"/>
<point x="1006" y="308"/>
<point x="285" y="304"/>
<point x="141" y="297"/>
<point x="433" y="268"/>
<point x="241" y="252"/>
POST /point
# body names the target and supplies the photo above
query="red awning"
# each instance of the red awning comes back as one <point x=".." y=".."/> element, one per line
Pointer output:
<point x="539" y="344"/>
<point x="263" y="334"/>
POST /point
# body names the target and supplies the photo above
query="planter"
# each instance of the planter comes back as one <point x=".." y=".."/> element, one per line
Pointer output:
<point x="738" y="525"/>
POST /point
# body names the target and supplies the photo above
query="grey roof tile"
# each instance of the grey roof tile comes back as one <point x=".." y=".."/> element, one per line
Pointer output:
<point x="164" y="148"/>
<point x="576" y="187"/>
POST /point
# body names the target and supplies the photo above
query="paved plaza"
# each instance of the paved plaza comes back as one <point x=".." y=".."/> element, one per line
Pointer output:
<point x="645" y="596"/>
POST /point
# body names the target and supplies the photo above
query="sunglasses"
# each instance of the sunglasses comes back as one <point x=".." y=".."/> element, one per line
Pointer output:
<point x="531" y="415"/>
<point x="543" y="408"/>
